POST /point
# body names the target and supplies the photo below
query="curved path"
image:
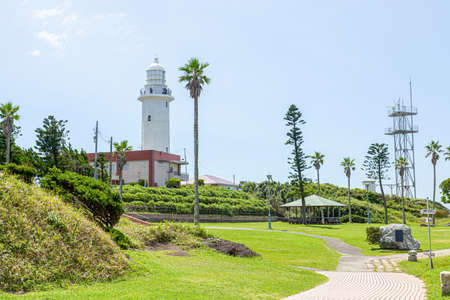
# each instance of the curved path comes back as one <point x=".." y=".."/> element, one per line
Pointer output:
<point x="356" y="276"/>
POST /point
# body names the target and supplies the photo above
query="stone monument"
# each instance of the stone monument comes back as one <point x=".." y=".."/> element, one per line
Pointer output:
<point x="397" y="236"/>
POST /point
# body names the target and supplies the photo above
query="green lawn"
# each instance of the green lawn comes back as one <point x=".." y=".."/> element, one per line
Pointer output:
<point x="431" y="278"/>
<point x="207" y="274"/>
<point x="355" y="234"/>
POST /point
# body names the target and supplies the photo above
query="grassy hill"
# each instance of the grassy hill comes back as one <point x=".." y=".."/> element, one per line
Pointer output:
<point x="213" y="200"/>
<point x="45" y="242"/>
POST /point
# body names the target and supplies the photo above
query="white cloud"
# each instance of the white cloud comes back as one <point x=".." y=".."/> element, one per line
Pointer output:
<point x="56" y="40"/>
<point x="109" y="15"/>
<point x="69" y="19"/>
<point x="45" y="13"/>
<point x="34" y="52"/>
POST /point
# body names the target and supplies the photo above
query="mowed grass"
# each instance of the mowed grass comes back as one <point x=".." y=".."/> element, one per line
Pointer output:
<point x="355" y="234"/>
<point x="285" y="248"/>
<point x="207" y="274"/>
<point x="431" y="278"/>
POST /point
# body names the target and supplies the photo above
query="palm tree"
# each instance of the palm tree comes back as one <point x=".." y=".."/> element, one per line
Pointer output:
<point x="121" y="160"/>
<point x="433" y="150"/>
<point x="8" y="112"/>
<point x="317" y="161"/>
<point x="195" y="80"/>
<point x="401" y="164"/>
<point x="349" y="166"/>
<point x="447" y="153"/>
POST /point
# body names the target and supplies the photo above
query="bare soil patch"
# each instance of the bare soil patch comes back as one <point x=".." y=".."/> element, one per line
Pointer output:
<point x="174" y="249"/>
<point x="230" y="248"/>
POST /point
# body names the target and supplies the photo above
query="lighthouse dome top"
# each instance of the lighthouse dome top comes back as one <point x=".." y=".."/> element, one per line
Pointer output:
<point x="155" y="65"/>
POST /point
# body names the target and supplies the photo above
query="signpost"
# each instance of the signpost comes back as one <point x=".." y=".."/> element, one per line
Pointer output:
<point x="429" y="212"/>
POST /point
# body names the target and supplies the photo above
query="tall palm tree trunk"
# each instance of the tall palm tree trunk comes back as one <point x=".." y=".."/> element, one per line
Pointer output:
<point x="196" y="204"/>
<point x="403" y="202"/>
<point x="8" y="148"/>
<point x="434" y="192"/>
<point x="318" y="181"/>
<point x="349" y="202"/>
<point x="120" y="183"/>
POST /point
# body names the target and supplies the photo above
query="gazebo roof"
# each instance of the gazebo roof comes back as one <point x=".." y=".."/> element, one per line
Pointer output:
<point x="313" y="200"/>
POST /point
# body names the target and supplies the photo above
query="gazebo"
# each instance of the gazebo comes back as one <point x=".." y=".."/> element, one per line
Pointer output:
<point x="315" y="210"/>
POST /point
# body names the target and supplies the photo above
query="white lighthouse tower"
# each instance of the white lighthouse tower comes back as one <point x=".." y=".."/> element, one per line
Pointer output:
<point x="155" y="98"/>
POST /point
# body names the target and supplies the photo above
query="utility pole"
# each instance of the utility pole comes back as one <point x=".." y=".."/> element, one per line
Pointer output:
<point x="110" y="160"/>
<point x="412" y="139"/>
<point x="185" y="166"/>
<point x="234" y="179"/>
<point x="95" y="155"/>
<point x="429" y="233"/>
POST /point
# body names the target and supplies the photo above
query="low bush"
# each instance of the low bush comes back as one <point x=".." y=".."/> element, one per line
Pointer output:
<point x="201" y="182"/>
<point x="120" y="239"/>
<point x="184" y="235"/>
<point x="25" y="173"/>
<point x="173" y="183"/>
<point x="102" y="202"/>
<point x="373" y="235"/>
<point x="44" y="242"/>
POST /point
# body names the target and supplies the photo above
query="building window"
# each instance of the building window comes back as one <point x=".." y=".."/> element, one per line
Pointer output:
<point x="167" y="104"/>
<point x="149" y="118"/>
<point x="167" y="149"/>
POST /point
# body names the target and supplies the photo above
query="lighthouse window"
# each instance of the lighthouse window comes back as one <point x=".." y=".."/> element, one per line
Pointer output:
<point x="149" y="118"/>
<point x="167" y="104"/>
<point x="151" y="91"/>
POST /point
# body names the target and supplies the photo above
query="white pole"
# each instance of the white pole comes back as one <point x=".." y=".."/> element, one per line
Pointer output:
<point x="95" y="155"/>
<point x="429" y="234"/>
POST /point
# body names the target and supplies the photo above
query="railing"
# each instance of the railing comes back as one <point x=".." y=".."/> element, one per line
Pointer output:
<point x="155" y="91"/>
<point x="391" y="130"/>
<point x="402" y="109"/>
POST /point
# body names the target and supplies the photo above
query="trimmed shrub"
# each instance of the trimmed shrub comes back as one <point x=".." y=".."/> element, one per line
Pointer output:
<point x="173" y="183"/>
<point x="373" y="235"/>
<point x="120" y="239"/>
<point x="201" y="182"/>
<point x="141" y="182"/>
<point x="25" y="173"/>
<point x="102" y="202"/>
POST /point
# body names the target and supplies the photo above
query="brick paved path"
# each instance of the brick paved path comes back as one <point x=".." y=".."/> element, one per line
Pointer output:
<point x="365" y="286"/>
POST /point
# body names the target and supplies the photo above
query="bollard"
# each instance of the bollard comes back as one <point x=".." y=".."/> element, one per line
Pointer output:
<point x="412" y="255"/>
<point x="445" y="283"/>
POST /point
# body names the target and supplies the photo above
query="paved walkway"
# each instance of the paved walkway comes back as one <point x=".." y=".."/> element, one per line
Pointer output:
<point x="362" y="277"/>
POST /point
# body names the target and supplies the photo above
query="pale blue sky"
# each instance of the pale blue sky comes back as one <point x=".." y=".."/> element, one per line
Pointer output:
<point x="341" y="62"/>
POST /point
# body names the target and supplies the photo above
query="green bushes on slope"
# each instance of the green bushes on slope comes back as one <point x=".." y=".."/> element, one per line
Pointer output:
<point x="213" y="200"/>
<point x="45" y="242"/>
<point x="25" y="173"/>
<point x="98" y="197"/>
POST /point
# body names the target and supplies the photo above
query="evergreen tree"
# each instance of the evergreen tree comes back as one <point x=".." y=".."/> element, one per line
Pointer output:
<point x="376" y="166"/>
<point x="51" y="140"/>
<point x="297" y="161"/>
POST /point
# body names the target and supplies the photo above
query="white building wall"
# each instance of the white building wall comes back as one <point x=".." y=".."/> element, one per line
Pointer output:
<point x="134" y="170"/>
<point x="161" y="172"/>
<point x="155" y="124"/>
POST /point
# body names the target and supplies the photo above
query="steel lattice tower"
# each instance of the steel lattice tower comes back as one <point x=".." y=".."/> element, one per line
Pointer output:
<point x="403" y="130"/>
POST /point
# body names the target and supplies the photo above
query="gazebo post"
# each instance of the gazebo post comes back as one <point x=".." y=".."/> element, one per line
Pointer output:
<point x="289" y="215"/>
<point x="322" y="215"/>
<point x="296" y="214"/>
<point x="339" y="214"/>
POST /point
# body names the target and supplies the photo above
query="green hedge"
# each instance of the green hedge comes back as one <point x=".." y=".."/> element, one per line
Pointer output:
<point x="25" y="173"/>
<point x="213" y="200"/>
<point x="100" y="200"/>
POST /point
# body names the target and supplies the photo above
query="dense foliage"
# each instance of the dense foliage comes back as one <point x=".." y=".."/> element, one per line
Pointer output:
<point x="284" y="192"/>
<point x="44" y="241"/>
<point x="213" y="200"/>
<point x="173" y="183"/>
<point x="97" y="197"/>
<point x="373" y="235"/>
<point x="445" y="187"/>
<point x="25" y="173"/>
